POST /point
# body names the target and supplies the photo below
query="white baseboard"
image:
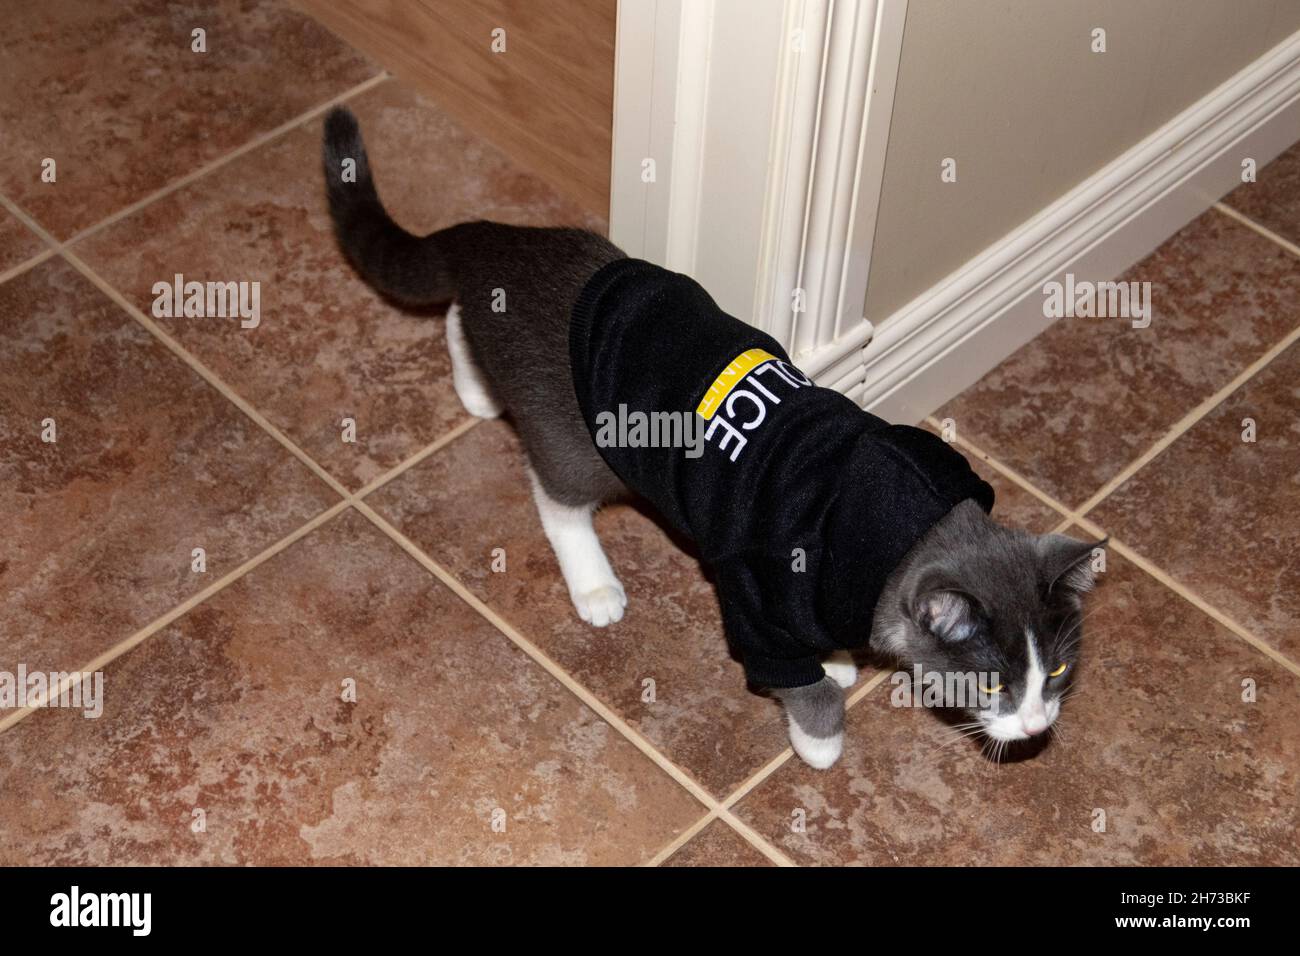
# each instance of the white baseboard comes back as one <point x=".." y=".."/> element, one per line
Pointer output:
<point x="949" y="337"/>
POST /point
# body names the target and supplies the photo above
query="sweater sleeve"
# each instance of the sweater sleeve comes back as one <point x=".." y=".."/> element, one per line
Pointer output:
<point x="771" y="656"/>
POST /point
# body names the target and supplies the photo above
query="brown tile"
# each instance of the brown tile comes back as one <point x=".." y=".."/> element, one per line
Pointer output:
<point x="17" y="242"/>
<point x="236" y="709"/>
<point x="1012" y="505"/>
<point x="1223" y="515"/>
<point x="328" y="347"/>
<point x="1158" y="738"/>
<point x="1073" y="407"/>
<point x="1273" y="200"/>
<point x="718" y="845"/>
<point x="473" y="496"/>
<point x="149" y="463"/>
<point x="114" y="94"/>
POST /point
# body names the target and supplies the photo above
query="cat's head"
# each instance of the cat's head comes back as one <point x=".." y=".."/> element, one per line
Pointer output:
<point x="975" y="596"/>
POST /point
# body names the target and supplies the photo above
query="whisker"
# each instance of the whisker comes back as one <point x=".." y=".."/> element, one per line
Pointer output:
<point x="960" y="735"/>
<point x="1077" y="624"/>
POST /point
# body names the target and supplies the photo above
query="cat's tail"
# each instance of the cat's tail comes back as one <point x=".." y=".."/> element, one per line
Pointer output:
<point x="407" y="268"/>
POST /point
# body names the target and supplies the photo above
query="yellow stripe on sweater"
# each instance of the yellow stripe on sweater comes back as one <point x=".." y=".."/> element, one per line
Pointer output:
<point x="740" y="366"/>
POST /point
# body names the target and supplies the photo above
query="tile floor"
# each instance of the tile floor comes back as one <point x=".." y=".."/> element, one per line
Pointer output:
<point x="350" y="681"/>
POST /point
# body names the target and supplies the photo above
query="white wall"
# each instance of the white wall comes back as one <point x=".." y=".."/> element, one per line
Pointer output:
<point x="1012" y="91"/>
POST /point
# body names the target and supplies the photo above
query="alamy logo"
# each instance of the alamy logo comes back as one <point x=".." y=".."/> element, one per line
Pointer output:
<point x="922" y="688"/>
<point x="1115" y="300"/>
<point x="71" y="689"/>
<point x="650" y="430"/>
<point x="208" y="300"/>
<point x="103" y="909"/>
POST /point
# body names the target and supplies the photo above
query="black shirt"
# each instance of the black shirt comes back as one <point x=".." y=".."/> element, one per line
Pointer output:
<point x="801" y="502"/>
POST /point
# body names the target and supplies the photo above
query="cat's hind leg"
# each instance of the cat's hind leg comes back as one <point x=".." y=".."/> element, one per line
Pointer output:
<point x="472" y="386"/>
<point x="816" y="717"/>
<point x="597" y="594"/>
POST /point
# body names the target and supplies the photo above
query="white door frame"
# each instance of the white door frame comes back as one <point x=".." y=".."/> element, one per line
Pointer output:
<point x="749" y="149"/>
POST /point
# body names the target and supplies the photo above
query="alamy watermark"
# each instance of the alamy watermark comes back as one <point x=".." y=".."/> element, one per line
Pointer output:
<point x="941" y="689"/>
<point x="133" y="911"/>
<point x="738" y="402"/>
<point x="208" y="300"/>
<point x="71" y="689"/>
<point x="637" y="429"/>
<point x="1101" y="300"/>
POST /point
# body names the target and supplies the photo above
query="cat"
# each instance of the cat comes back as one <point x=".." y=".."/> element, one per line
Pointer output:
<point x="963" y="595"/>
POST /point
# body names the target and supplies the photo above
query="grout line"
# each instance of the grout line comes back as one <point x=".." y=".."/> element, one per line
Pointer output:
<point x="419" y="456"/>
<point x="261" y="139"/>
<point x="1264" y="231"/>
<point x="567" y="680"/>
<point x="681" y="839"/>
<point x="756" y="839"/>
<point x="761" y="774"/>
<point x="120" y="648"/>
<point x="21" y="215"/>
<point x="436" y="445"/>
<point x="861" y="693"/>
<point x="22" y="267"/>
<point x="1185" y="423"/>
<point x="1187" y="594"/>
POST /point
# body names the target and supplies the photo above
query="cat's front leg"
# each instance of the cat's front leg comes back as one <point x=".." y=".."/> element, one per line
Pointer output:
<point x="815" y="714"/>
<point x="840" y="668"/>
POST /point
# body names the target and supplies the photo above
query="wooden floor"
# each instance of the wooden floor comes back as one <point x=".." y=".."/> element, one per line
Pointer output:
<point x="546" y="100"/>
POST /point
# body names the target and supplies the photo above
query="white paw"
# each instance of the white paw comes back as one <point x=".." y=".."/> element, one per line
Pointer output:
<point x="601" y="606"/>
<point x="476" y="399"/>
<point x="817" y="752"/>
<point x="843" y="672"/>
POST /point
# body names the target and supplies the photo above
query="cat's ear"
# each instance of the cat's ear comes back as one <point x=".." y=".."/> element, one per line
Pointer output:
<point x="949" y="615"/>
<point x="1067" y="563"/>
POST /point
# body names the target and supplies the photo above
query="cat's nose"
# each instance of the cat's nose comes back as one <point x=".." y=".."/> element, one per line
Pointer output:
<point x="1034" y="724"/>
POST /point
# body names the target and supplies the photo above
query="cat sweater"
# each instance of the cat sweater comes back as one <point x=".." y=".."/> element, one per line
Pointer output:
<point x="800" y="502"/>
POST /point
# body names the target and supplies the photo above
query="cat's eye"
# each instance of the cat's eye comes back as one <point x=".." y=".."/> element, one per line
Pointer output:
<point x="1059" y="670"/>
<point x="996" y="688"/>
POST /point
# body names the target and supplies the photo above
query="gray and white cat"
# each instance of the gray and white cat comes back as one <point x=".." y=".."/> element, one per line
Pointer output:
<point x="971" y="596"/>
